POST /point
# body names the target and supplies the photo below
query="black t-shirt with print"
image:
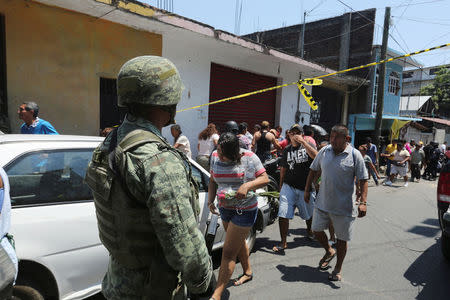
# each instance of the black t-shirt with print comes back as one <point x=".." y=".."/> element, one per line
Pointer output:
<point x="296" y="161"/>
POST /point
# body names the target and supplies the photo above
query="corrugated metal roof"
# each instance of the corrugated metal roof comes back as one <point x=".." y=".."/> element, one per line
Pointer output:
<point x="412" y="102"/>
<point x="436" y="120"/>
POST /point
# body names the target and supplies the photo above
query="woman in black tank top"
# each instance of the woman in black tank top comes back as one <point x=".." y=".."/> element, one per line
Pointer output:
<point x="263" y="147"/>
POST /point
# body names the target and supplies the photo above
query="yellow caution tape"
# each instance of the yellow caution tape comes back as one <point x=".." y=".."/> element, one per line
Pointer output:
<point x="308" y="98"/>
<point x="312" y="81"/>
<point x="315" y="81"/>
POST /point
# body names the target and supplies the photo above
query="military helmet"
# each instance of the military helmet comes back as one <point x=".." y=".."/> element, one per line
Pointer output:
<point x="231" y="126"/>
<point x="152" y="80"/>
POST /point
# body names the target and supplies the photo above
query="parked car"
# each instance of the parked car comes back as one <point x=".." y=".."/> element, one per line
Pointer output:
<point x="53" y="216"/>
<point x="443" y="202"/>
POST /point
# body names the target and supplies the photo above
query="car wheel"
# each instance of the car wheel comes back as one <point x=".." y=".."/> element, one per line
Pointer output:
<point x="251" y="239"/>
<point x="272" y="186"/>
<point x="445" y="246"/>
<point x="23" y="292"/>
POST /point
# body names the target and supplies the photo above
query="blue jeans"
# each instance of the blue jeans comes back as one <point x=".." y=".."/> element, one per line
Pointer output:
<point x="372" y="172"/>
<point x="388" y="167"/>
<point x="243" y="218"/>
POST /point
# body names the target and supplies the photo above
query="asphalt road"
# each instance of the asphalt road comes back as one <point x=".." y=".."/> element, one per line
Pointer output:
<point x="395" y="254"/>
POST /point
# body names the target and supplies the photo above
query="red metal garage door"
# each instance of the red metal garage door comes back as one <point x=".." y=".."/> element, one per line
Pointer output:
<point x="226" y="82"/>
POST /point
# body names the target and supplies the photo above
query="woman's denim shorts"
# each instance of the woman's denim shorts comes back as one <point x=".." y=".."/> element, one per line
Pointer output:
<point x="243" y="218"/>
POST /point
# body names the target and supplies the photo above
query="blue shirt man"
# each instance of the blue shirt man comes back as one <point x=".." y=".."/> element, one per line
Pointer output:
<point x="371" y="150"/>
<point x="39" y="126"/>
<point x="28" y="112"/>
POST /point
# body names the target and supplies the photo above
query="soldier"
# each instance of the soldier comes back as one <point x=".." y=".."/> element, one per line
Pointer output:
<point x="145" y="196"/>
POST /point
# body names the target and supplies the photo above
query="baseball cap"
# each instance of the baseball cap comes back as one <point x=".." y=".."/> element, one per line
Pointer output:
<point x="296" y="127"/>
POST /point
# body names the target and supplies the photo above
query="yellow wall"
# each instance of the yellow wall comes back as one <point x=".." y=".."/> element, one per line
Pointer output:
<point x="55" y="57"/>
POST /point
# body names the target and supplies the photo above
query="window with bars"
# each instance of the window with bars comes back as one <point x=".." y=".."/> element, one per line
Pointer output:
<point x="394" y="83"/>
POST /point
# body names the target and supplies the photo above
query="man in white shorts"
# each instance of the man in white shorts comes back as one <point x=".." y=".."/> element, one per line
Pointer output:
<point x="338" y="164"/>
<point x="399" y="165"/>
<point x="295" y="163"/>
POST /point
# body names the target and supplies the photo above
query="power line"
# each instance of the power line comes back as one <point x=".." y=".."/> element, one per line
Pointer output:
<point x="320" y="3"/>
<point x="392" y="37"/>
<point x="329" y="38"/>
<point x="424" y="22"/>
<point x="419" y="3"/>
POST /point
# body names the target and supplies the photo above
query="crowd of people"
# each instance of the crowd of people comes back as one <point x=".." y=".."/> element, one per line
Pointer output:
<point x="402" y="157"/>
<point x="147" y="208"/>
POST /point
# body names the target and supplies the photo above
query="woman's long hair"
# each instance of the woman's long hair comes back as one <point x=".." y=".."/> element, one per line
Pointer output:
<point x="229" y="146"/>
<point x="207" y="132"/>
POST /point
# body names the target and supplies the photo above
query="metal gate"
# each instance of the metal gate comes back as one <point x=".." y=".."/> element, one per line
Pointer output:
<point x="227" y="82"/>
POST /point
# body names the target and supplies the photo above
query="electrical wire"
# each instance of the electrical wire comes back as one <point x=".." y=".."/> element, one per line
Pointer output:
<point x="419" y="3"/>
<point x="314" y="8"/>
<point x="392" y="37"/>
<point x="332" y="37"/>
<point x="423" y="22"/>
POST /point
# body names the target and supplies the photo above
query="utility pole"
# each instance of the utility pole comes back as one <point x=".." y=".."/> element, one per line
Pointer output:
<point x="381" y="78"/>
<point x="302" y="39"/>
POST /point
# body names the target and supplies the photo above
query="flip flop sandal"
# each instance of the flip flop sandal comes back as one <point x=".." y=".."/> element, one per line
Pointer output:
<point x="237" y="281"/>
<point x="278" y="249"/>
<point x="335" y="276"/>
<point x="324" y="263"/>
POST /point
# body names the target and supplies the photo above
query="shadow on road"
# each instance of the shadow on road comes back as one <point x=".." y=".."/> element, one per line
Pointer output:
<point x="431" y="273"/>
<point x="266" y="244"/>
<point x="304" y="273"/>
<point x="431" y="222"/>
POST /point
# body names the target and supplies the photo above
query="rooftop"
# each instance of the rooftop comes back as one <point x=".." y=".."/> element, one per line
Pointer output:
<point x="148" y="18"/>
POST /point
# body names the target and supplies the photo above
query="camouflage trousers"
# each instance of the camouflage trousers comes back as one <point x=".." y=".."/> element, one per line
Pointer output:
<point x="156" y="282"/>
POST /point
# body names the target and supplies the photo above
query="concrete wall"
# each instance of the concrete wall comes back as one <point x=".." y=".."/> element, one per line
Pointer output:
<point x="194" y="63"/>
<point x="56" y="57"/>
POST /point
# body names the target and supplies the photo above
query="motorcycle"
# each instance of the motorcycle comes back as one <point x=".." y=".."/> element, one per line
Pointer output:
<point x="272" y="167"/>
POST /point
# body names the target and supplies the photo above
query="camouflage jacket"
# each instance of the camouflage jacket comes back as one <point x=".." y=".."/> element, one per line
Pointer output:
<point x="158" y="179"/>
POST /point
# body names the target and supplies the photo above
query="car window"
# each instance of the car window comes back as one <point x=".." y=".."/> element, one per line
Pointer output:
<point x="200" y="178"/>
<point x="46" y="177"/>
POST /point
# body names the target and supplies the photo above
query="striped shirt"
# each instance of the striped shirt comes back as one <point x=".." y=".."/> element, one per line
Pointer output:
<point x="230" y="176"/>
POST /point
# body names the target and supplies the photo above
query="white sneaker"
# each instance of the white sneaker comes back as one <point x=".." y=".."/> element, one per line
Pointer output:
<point x="388" y="183"/>
<point x="406" y="184"/>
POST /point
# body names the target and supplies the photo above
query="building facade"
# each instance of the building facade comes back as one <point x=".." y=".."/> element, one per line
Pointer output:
<point x="65" y="55"/>
<point x="417" y="78"/>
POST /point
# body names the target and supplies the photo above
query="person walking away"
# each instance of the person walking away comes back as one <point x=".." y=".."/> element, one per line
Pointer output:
<point x="339" y="164"/>
<point x="235" y="174"/>
<point x="262" y="140"/>
<point x="207" y="142"/>
<point x="295" y="163"/>
<point x="434" y="161"/>
<point x="369" y="165"/>
<point x="28" y="112"/>
<point x="417" y="159"/>
<point x="8" y="258"/>
<point x="145" y="195"/>
<point x="181" y="142"/>
<point x="400" y="160"/>
<point x="243" y="138"/>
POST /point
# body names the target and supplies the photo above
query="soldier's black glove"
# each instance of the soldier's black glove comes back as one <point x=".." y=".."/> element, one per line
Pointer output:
<point x="209" y="292"/>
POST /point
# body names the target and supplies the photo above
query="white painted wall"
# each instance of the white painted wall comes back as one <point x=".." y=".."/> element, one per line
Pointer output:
<point x="193" y="54"/>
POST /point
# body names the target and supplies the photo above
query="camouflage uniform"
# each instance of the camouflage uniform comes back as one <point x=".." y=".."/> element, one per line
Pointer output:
<point x="151" y="231"/>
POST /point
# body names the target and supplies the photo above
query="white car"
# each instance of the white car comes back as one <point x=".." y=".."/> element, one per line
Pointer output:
<point x="53" y="216"/>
